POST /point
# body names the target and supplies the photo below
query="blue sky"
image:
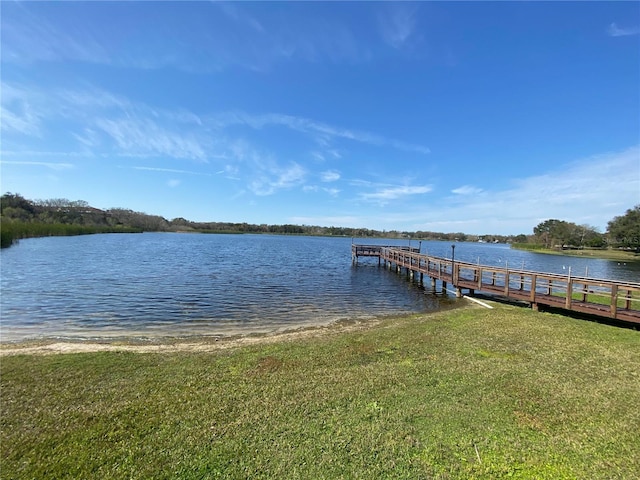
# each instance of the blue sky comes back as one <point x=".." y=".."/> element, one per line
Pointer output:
<point x="475" y="117"/>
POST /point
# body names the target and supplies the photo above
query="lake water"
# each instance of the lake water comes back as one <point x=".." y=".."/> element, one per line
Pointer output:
<point x="181" y="285"/>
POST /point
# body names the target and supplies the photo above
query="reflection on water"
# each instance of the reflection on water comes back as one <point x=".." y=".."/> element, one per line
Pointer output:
<point x="155" y="284"/>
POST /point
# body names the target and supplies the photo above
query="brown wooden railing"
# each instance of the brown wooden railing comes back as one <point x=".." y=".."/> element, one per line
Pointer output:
<point x="606" y="298"/>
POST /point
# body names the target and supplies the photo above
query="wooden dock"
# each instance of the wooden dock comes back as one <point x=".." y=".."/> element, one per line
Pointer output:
<point x="604" y="298"/>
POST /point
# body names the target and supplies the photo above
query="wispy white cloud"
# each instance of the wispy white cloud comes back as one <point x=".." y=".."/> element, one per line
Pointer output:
<point x="24" y="122"/>
<point x="230" y="35"/>
<point x="144" y="136"/>
<point x="596" y="182"/>
<point x="466" y="190"/>
<point x="170" y="170"/>
<point x="292" y="175"/>
<point x="30" y="37"/>
<point x="50" y="165"/>
<point x="106" y="126"/>
<point x="230" y="171"/>
<point x="173" y="183"/>
<point x="69" y="32"/>
<point x="42" y="153"/>
<point x="89" y="138"/>
<point x="614" y="31"/>
<point x="264" y="173"/>
<point x="293" y="35"/>
<point x="334" y="192"/>
<point x="137" y="129"/>
<point x="92" y="99"/>
<point x="398" y="23"/>
<point x="590" y="191"/>
<point x="393" y="193"/>
<point x="20" y="114"/>
<point x="99" y="120"/>
<point x="274" y="178"/>
<point x="322" y="132"/>
<point x="330" y="176"/>
<point x="238" y="15"/>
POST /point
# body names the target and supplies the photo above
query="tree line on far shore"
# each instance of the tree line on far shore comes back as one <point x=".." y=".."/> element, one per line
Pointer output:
<point x="23" y="218"/>
<point x="623" y="232"/>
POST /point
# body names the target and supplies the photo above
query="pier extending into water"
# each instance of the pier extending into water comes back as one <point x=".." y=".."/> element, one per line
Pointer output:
<point x="604" y="298"/>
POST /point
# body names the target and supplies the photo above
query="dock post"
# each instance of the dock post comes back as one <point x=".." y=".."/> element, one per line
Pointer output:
<point x="444" y="287"/>
<point x="532" y="292"/>
<point x="433" y="284"/>
<point x="569" y="299"/>
<point x="458" y="292"/>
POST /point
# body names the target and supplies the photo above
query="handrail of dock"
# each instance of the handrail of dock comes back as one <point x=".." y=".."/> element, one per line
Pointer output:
<point x="606" y="298"/>
<point x="374" y="250"/>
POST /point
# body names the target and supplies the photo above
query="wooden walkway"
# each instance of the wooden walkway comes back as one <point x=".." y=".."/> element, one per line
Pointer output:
<point x="605" y="298"/>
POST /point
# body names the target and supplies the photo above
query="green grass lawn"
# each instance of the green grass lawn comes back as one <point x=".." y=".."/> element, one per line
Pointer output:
<point x="607" y="254"/>
<point x="469" y="393"/>
<point x="626" y="298"/>
<point x="601" y="297"/>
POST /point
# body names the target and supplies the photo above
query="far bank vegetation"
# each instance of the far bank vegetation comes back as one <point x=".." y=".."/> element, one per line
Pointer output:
<point x="24" y="218"/>
<point x="621" y="238"/>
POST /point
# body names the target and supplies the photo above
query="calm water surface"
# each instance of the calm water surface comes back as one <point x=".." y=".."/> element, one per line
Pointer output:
<point x="180" y="285"/>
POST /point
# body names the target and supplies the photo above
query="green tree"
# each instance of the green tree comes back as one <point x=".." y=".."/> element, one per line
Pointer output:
<point x="553" y="232"/>
<point x="624" y="230"/>
<point x="521" y="238"/>
<point x="559" y="232"/>
<point x="588" y="236"/>
<point x="13" y="205"/>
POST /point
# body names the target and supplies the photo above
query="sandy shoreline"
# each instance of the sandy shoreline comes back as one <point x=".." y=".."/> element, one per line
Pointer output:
<point x="172" y="345"/>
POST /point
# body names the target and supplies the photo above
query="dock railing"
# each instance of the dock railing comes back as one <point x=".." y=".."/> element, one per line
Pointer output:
<point x="608" y="298"/>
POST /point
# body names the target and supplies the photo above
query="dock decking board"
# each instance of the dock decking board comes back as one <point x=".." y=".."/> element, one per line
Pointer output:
<point x="616" y="300"/>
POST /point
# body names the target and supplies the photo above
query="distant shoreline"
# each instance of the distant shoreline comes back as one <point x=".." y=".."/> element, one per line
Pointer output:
<point x="609" y="254"/>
